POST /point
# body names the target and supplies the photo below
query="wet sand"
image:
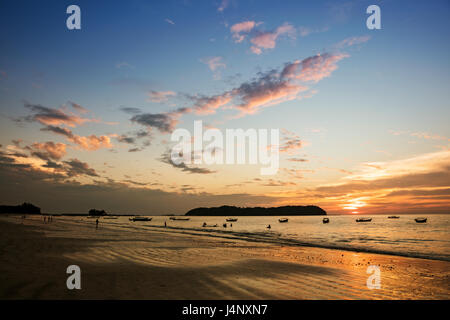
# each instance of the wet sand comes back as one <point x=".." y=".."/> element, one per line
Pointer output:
<point x="165" y="264"/>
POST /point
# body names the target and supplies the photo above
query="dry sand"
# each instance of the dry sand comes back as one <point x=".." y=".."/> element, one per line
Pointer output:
<point x="166" y="264"/>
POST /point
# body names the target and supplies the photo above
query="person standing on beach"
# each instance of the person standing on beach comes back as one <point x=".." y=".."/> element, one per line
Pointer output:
<point x="96" y="224"/>
<point x="165" y="224"/>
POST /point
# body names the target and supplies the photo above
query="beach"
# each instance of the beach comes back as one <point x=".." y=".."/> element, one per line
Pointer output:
<point x="167" y="263"/>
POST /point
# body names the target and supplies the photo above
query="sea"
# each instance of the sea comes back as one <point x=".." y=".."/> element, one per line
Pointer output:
<point x="402" y="236"/>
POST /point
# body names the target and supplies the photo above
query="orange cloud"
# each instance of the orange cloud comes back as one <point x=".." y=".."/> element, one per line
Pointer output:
<point x="48" y="150"/>
<point x="90" y="143"/>
<point x="51" y="116"/>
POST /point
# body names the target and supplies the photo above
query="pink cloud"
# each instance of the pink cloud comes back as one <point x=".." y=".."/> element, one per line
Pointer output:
<point x="214" y="63"/>
<point x="260" y="39"/>
<point x="238" y="29"/>
<point x="313" y="68"/>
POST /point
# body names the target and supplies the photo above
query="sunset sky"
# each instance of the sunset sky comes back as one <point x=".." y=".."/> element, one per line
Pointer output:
<point x="86" y="115"/>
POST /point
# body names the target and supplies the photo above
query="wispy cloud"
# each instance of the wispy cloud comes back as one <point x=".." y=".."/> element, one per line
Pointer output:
<point x="290" y="142"/>
<point x="165" y="157"/>
<point x="223" y="5"/>
<point x="214" y="64"/>
<point x="352" y="41"/>
<point x="169" y="21"/>
<point x="160" y="96"/>
<point x="51" y="116"/>
<point x="420" y="135"/>
<point x="266" y="89"/>
<point x="124" y="64"/>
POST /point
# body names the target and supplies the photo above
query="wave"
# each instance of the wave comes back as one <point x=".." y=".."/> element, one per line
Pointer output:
<point x="272" y="237"/>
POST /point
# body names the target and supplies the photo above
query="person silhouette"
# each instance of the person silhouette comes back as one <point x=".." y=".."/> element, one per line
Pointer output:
<point x="96" y="224"/>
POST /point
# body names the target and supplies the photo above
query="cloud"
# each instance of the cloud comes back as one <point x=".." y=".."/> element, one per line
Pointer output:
<point x="164" y="122"/>
<point x="290" y="142"/>
<point x="352" y="41"/>
<point x="305" y="31"/>
<point x="420" y="135"/>
<point x="160" y="96"/>
<point x="209" y="105"/>
<point x="165" y="158"/>
<point x="51" y="116"/>
<point x="241" y="29"/>
<point x="131" y="110"/>
<point x="269" y="89"/>
<point x="314" y="68"/>
<point x="388" y="186"/>
<point x="42" y="168"/>
<point x="266" y="89"/>
<point x="68" y="195"/>
<point x="78" y="107"/>
<point x="90" y="143"/>
<point x="132" y="138"/>
<point x="169" y="21"/>
<point x="223" y="5"/>
<point x="75" y="167"/>
<point x="267" y="39"/>
<point x="123" y="64"/>
<point x="48" y="150"/>
<point x="298" y="160"/>
<point x="214" y="64"/>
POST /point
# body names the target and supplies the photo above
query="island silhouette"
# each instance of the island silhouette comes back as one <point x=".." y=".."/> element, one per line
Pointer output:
<point x="25" y="207"/>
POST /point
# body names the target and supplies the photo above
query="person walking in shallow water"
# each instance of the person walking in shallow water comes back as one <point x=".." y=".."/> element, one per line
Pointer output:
<point x="96" y="224"/>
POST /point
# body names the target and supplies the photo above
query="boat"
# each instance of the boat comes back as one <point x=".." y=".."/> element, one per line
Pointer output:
<point x="283" y="220"/>
<point x="393" y="217"/>
<point x="325" y="220"/>
<point x="209" y="226"/>
<point x="363" y="219"/>
<point x="232" y="219"/>
<point x="179" y="219"/>
<point x="420" y="220"/>
<point x="140" y="219"/>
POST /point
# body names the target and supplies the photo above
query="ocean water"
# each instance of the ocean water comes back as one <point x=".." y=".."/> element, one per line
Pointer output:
<point x="401" y="236"/>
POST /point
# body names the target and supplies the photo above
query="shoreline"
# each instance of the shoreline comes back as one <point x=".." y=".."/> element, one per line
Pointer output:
<point x="160" y="264"/>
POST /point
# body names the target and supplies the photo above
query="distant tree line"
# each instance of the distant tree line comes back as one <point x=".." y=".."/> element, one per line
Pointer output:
<point x="25" y="207"/>
<point x="258" y="211"/>
<point x="95" y="212"/>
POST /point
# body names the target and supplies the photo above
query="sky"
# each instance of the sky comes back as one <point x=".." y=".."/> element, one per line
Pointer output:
<point x="86" y="116"/>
